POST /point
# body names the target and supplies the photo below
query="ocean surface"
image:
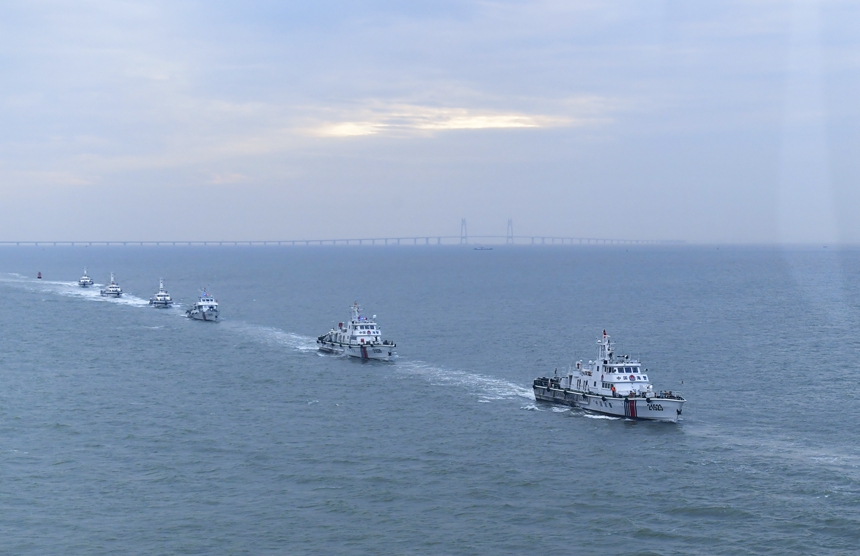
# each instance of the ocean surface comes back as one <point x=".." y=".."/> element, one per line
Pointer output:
<point x="131" y="430"/>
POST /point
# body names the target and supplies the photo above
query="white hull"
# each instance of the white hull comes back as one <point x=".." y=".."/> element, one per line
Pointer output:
<point x="657" y="409"/>
<point x="208" y="316"/>
<point x="161" y="299"/>
<point x="112" y="289"/>
<point x="379" y="352"/>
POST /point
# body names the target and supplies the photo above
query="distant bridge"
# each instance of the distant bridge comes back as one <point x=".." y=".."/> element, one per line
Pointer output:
<point x="404" y="240"/>
<point x="463" y="239"/>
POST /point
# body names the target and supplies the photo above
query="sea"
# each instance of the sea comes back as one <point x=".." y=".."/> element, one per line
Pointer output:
<point x="126" y="429"/>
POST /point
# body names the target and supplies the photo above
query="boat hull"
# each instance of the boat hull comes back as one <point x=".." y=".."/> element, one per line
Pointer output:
<point x="161" y="304"/>
<point x="207" y="316"/>
<point x="380" y="352"/>
<point x="652" y="409"/>
<point x="110" y="294"/>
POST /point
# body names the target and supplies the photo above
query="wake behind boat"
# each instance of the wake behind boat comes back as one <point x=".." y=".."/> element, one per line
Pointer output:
<point x="613" y="386"/>
<point x="361" y="337"/>
<point x="112" y="289"/>
<point x="206" y="308"/>
<point x="85" y="281"/>
<point x="161" y="299"/>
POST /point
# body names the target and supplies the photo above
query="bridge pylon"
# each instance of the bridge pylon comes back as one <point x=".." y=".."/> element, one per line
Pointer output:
<point x="509" y="236"/>
<point x="464" y="236"/>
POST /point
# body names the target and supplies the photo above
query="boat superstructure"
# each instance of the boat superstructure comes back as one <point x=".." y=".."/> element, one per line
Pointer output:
<point x="85" y="281"/>
<point x="161" y="299"/>
<point x="206" y="308"/>
<point x="360" y="337"/>
<point x="112" y="289"/>
<point x="612" y="385"/>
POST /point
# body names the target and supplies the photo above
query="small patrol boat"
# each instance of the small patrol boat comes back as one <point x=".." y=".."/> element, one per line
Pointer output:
<point x="161" y="299"/>
<point x="360" y="337"/>
<point x="610" y="385"/>
<point x="112" y="289"/>
<point x="85" y="281"/>
<point x="206" y="308"/>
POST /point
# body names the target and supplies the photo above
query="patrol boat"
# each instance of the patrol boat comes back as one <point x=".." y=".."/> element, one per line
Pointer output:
<point x="85" y="281"/>
<point x="206" y="308"/>
<point x="112" y="289"/>
<point x="162" y="298"/>
<point x="360" y="337"/>
<point x="611" y="385"/>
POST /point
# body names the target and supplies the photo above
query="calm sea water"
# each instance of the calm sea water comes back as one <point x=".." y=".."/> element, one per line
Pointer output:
<point x="130" y="430"/>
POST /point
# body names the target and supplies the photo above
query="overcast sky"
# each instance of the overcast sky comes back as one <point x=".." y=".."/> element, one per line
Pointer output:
<point x="713" y="121"/>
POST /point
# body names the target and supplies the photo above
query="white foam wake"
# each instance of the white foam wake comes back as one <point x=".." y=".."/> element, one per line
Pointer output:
<point x="272" y="336"/>
<point x="487" y="388"/>
<point x="266" y="334"/>
<point x="71" y="289"/>
<point x="597" y="416"/>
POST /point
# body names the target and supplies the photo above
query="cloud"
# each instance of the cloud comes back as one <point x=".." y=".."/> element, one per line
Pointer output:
<point x="406" y="119"/>
<point x="347" y="129"/>
<point x="230" y="177"/>
<point x="119" y="97"/>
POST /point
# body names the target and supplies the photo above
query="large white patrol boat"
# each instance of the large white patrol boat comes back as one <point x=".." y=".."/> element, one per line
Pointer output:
<point x="360" y="337"/>
<point x="206" y="308"/>
<point x="611" y="385"/>
<point x="85" y="281"/>
<point x="112" y="289"/>
<point x="161" y="299"/>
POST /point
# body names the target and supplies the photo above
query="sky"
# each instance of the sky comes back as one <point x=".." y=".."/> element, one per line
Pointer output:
<point x="707" y="122"/>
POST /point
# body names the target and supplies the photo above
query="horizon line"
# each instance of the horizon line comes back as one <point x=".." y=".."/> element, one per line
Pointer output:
<point x="383" y="241"/>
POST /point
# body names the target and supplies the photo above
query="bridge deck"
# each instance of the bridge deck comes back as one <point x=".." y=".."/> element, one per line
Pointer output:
<point x="406" y="240"/>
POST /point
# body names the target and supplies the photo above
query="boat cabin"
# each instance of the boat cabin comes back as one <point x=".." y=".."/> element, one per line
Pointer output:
<point x="608" y="375"/>
<point x="360" y="330"/>
<point x="207" y="303"/>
